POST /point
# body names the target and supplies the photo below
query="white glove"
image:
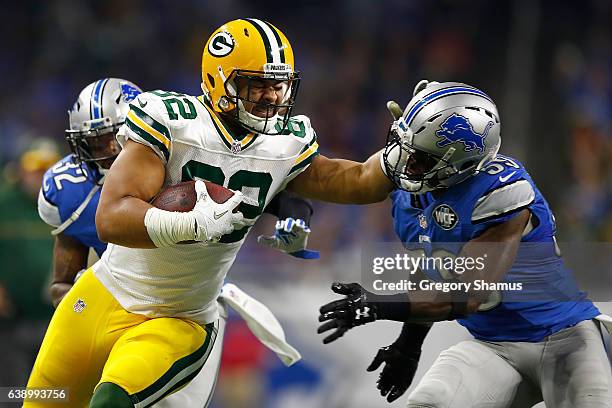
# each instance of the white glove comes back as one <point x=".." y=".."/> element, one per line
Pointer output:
<point x="214" y="220"/>
<point x="290" y="237"/>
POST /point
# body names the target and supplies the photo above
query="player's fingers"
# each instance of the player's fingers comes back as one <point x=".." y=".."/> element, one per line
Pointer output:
<point x="201" y="191"/>
<point x="335" y="335"/>
<point x="331" y="306"/>
<point x="378" y="360"/>
<point x="289" y="222"/>
<point x="300" y="226"/>
<point x="395" y="393"/>
<point x="238" y="220"/>
<point x="234" y="200"/>
<point x="283" y="238"/>
<point x="394" y="109"/>
<point x="327" y="326"/>
<point x="345" y="288"/>
<point x="271" y="242"/>
<point x="341" y="314"/>
<point x="384" y="387"/>
<point x="200" y="187"/>
<point x="280" y="224"/>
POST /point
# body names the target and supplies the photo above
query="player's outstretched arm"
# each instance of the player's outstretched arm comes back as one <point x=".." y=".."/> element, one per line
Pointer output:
<point x="343" y="181"/>
<point x="69" y="258"/>
<point x="135" y="177"/>
<point x="360" y="306"/>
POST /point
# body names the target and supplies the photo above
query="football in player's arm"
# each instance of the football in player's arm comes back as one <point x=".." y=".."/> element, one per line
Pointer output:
<point x="452" y="187"/>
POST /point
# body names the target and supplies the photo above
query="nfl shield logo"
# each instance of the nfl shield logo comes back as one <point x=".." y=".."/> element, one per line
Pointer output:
<point x="236" y="147"/>
<point x="79" y="305"/>
<point x="422" y="221"/>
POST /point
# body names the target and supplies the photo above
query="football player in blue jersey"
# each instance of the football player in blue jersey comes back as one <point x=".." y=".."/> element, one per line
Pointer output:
<point x="70" y="195"/>
<point x="454" y="192"/>
<point x="71" y="188"/>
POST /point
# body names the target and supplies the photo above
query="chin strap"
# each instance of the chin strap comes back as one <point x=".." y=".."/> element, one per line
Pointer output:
<point x="77" y="213"/>
<point x="253" y="120"/>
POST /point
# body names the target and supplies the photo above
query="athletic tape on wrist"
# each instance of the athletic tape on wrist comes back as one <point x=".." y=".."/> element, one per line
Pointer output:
<point x="166" y="228"/>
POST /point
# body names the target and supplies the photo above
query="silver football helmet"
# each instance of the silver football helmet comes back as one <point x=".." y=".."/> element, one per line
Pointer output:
<point x="94" y="119"/>
<point x="447" y="133"/>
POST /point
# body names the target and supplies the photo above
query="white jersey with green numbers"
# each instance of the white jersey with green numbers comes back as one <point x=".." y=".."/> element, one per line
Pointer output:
<point x="192" y="142"/>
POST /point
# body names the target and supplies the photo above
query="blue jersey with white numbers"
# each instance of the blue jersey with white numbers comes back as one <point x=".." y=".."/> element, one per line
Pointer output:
<point x="65" y="187"/>
<point x="550" y="300"/>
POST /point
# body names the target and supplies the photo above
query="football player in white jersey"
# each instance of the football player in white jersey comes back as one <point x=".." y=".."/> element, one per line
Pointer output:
<point x="71" y="192"/>
<point x="144" y="316"/>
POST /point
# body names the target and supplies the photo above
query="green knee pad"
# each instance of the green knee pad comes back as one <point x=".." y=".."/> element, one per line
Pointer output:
<point x="109" y="395"/>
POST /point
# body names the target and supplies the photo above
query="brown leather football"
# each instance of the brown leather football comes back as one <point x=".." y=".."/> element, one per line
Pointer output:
<point x="181" y="197"/>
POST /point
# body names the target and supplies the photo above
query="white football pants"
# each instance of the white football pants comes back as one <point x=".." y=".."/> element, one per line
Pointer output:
<point x="569" y="369"/>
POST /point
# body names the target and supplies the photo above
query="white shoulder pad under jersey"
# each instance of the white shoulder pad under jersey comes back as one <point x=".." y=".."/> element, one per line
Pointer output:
<point x="147" y="123"/>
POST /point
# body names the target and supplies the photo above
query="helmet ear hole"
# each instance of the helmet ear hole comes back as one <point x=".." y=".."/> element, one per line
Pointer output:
<point x="211" y="79"/>
<point x="434" y="117"/>
<point x="422" y="128"/>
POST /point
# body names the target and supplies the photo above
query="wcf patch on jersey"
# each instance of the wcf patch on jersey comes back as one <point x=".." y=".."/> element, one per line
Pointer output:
<point x="445" y="217"/>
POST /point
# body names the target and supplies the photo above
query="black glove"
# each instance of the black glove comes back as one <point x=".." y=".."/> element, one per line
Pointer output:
<point x="401" y="361"/>
<point x="344" y="314"/>
<point x="398" y="372"/>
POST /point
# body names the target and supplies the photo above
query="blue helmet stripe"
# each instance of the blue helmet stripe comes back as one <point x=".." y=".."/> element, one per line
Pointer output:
<point x="439" y="94"/>
<point x="96" y="103"/>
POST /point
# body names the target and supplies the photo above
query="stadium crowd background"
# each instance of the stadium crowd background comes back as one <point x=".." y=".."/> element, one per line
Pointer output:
<point x="547" y="64"/>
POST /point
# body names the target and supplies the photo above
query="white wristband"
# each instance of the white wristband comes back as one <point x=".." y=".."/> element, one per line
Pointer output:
<point x="166" y="228"/>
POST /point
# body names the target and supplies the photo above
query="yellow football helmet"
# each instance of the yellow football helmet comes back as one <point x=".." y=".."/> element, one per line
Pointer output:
<point x="249" y="49"/>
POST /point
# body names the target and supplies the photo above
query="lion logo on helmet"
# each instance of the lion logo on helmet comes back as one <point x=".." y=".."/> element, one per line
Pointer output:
<point x="129" y="92"/>
<point x="457" y="128"/>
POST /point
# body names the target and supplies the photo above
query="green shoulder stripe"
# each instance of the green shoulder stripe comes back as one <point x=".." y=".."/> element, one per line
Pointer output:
<point x="304" y="162"/>
<point x="307" y="146"/>
<point x="147" y="137"/>
<point x="150" y="121"/>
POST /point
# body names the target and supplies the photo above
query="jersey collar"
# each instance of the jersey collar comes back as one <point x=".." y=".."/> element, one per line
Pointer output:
<point x="230" y="139"/>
